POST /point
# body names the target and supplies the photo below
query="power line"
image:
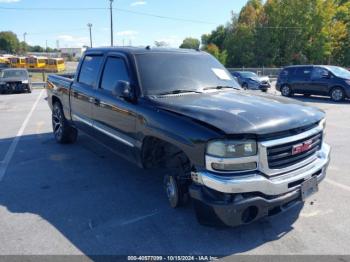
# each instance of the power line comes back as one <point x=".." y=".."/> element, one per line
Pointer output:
<point x="103" y="8"/>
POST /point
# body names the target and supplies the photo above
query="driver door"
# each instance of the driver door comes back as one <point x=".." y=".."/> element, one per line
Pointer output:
<point x="114" y="117"/>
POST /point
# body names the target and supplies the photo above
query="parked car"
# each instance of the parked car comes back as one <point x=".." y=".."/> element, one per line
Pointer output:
<point x="309" y="80"/>
<point x="239" y="156"/>
<point x="250" y="80"/>
<point x="15" y="80"/>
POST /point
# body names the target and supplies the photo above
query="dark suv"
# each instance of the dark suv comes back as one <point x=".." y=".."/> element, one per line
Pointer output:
<point x="309" y="80"/>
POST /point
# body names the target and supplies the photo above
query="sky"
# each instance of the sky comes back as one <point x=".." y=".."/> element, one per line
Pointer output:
<point x="43" y="21"/>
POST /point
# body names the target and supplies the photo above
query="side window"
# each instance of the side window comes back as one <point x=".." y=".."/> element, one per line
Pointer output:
<point x="89" y="70"/>
<point x="114" y="71"/>
<point x="319" y="73"/>
<point x="303" y="73"/>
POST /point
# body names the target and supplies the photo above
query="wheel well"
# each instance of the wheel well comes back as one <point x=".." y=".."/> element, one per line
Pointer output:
<point x="55" y="99"/>
<point x="159" y="153"/>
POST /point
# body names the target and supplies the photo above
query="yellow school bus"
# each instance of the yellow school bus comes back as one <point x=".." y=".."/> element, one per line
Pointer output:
<point x="36" y="62"/>
<point x="4" y="60"/>
<point x="18" y="62"/>
<point x="55" y="65"/>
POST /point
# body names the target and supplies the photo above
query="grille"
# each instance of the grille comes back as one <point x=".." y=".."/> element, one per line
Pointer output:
<point x="282" y="156"/>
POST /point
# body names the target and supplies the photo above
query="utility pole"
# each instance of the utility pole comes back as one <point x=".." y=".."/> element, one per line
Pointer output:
<point x="111" y="11"/>
<point x="24" y="37"/>
<point x="46" y="46"/>
<point x="90" y="25"/>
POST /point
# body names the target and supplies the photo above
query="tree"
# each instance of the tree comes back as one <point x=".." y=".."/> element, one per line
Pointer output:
<point x="215" y="51"/>
<point x="9" y="42"/>
<point x="190" y="43"/>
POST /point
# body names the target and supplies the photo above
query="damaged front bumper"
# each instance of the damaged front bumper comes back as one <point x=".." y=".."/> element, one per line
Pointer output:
<point x="235" y="200"/>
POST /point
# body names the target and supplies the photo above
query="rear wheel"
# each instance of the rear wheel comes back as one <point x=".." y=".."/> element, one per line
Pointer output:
<point x="337" y="94"/>
<point x="63" y="132"/>
<point x="286" y="91"/>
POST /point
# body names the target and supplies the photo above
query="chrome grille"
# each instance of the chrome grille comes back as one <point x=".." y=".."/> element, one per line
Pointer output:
<point x="282" y="156"/>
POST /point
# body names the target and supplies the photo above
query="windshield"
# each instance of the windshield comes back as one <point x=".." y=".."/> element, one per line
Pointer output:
<point x="248" y="74"/>
<point x="13" y="73"/>
<point x="339" y="72"/>
<point x="166" y="72"/>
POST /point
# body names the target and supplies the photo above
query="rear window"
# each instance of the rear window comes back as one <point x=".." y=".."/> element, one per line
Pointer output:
<point x="89" y="70"/>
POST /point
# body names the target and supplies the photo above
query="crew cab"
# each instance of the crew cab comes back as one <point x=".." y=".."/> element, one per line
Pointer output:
<point x="237" y="155"/>
<point x="310" y="80"/>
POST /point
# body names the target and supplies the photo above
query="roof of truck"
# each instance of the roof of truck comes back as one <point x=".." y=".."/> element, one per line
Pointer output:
<point x="141" y="50"/>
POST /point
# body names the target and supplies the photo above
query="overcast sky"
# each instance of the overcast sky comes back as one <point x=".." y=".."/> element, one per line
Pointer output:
<point x="43" y="22"/>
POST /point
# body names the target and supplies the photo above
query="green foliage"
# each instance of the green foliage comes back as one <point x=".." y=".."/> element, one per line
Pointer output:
<point x="190" y="43"/>
<point x="8" y="42"/>
<point x="282" y="32"/>
<point x="215" y="51"/>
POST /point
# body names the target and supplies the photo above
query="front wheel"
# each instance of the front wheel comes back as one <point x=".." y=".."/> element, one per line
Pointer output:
<point x="245" y="86"/>
<point x="337" y="94"/>
<point x="176" y="192"/>
<point x="63" y="132"/>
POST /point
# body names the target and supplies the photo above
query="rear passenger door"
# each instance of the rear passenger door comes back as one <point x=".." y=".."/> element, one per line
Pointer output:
<point x="319" y="83"/>
<point x="300" y="80"/>
<point x="114" y="117"/>
<point x="82" y="95"/>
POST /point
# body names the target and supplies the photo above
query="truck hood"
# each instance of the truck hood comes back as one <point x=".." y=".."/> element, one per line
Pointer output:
<point x="13" y="79"/>
<point x="241" y="112"/>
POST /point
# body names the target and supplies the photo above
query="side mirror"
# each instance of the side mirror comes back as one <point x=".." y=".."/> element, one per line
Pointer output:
<point x="123" y="89"/>
<point x="30" y="75"/>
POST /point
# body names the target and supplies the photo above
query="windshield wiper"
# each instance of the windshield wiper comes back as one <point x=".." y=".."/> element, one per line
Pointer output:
<point x="179" y="91"/>
<point x="220" y="87"/>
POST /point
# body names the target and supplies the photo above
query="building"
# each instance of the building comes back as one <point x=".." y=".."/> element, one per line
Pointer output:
<point x="74" y="52"/>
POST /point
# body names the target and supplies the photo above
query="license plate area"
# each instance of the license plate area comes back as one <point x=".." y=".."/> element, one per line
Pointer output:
<point x="309" y="187"/>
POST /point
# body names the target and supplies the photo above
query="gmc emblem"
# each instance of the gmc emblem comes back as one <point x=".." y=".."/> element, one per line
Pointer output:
<point x="300" y="148"/>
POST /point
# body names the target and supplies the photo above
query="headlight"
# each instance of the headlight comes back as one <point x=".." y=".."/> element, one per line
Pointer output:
<point x="231" y="156"/>
<point x="348" y="82"/>
<point x="232" y="149"/>
<point x="25" y="82"/>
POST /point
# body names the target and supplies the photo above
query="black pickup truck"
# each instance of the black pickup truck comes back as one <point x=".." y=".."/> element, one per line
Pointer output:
<point x="238" y="156"/>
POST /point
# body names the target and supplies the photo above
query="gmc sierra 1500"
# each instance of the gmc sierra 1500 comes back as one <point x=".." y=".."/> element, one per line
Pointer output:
<point x="239" y="156"/>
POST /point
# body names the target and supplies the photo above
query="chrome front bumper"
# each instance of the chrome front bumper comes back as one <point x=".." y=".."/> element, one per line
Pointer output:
<point x="268" y="185"/>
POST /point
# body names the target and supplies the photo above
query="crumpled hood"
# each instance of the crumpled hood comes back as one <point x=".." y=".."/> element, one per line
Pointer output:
<point x="240" y="112"/>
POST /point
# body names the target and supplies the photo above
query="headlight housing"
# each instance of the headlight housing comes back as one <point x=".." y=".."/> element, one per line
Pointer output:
<point x="232" y="155"/>
<point x="25" y="81"/>
<point x="232" y="148"/>
<point x="348" y="82"/>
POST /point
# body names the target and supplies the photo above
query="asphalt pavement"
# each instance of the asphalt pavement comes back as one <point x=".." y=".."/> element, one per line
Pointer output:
<point x="82" y="199"/>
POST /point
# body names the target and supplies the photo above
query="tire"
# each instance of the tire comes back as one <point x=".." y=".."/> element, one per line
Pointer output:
<point x="245" y="86"/>
<point x="29" y="90"/>
<point x="176" y="191"/>
<point x="63" y="132"/>
<point x="286" y="91"/>
<point x="337" y="94"/>
<point x="177" y="181"/>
